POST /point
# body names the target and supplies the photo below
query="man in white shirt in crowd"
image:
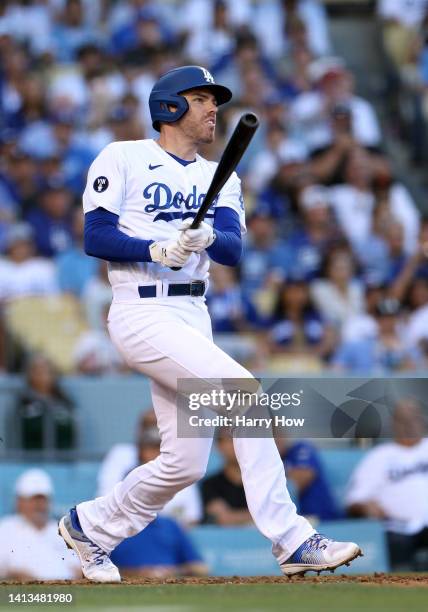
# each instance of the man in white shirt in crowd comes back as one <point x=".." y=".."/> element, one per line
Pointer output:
<point x="185" y="507"/>
<point x="391" y="484"/>
<point x="333" y="85"/>
<point x="30" y="547"/>
<point x="22" y="272"/>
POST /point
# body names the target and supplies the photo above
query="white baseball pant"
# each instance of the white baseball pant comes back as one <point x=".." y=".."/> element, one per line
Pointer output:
<point x="167" y="339"/>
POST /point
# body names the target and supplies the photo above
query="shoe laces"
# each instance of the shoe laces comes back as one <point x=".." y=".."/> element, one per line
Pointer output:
<point x="318" y="541"/>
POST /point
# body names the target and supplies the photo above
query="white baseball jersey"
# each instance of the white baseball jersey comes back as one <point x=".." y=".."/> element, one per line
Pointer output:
<point x="396" y="477"/>
<point x="153" y="193"/>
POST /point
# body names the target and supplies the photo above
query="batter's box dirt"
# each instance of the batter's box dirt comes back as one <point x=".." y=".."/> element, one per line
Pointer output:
<point x="405" y="580"/>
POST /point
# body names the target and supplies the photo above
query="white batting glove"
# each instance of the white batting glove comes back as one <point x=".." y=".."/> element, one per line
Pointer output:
<point x="196" y="239"/>
<point x="169" y="253"/>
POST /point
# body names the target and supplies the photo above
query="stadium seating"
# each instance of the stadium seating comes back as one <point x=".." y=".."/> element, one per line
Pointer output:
<point x="76" y="481"/>
<point x="47" y="324"/>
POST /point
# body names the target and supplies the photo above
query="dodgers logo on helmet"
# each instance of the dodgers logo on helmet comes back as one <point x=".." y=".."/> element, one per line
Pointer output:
<point x="207" y="75"/>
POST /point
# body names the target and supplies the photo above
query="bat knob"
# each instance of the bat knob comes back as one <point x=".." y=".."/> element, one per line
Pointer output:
<point x="250" y="120"/>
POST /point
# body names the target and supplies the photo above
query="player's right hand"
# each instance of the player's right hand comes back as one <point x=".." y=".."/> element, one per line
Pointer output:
<point x="169" y="253"/>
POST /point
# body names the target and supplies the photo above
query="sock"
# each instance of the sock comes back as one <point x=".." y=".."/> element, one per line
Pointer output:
<point x="75" y="519"/>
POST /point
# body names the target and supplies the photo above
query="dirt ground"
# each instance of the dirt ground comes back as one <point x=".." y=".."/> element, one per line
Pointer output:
<point x="419" y="580"/>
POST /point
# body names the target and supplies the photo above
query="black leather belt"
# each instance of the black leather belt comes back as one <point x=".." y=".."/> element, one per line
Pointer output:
<point x="194" y="289"/>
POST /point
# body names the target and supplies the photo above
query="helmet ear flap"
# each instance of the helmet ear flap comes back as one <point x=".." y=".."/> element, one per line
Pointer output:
<point x="159" y="103"/>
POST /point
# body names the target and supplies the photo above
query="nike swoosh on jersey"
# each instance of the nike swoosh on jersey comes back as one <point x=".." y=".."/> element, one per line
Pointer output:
<point x="154" y="167"/>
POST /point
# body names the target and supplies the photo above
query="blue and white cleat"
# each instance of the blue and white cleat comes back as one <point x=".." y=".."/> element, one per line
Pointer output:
<point x="96" y="564"/>
<point x="318" y="554"/>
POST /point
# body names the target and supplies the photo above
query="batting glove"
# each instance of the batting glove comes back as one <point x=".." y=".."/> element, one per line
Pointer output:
<point x="196" y="239"/>
<point x="169" y="253"/>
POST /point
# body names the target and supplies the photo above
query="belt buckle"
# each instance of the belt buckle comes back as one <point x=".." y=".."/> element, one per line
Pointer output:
<point x="197" y="288"/>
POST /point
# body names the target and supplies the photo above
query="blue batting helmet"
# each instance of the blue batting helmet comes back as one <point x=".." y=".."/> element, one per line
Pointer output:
<point x="168" y="88"/>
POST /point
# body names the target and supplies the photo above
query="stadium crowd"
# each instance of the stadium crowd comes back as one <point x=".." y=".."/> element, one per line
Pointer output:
<point x="335" y="271"/>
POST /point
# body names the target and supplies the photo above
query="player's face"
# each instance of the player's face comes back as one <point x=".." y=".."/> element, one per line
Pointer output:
<point x="199" y="121"/>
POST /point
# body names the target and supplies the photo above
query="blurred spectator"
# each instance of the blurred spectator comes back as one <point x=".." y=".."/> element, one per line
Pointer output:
<point x="409" y="285"/>
<point x="212" y="20"/>
<point x="208" y="43"/>
<point x="312" y="111"/>
<point x="401" y="20"/>
<point x="279" y="198"/>
<point x="70" y="31"/>
<point x="353" y="201"/>
<point x="223" y="493"/>
<point x="96" y="296"/>
<point x="51" y="220"/>
<point x="385" y="351"/>
<point x="338" y="295"/>
<point x="383" y="258"/>
<point x="235" y="320"/>
<point x="304" y="468"/>
<point x="298" y="331"/>
<point x="363" y="326"/>
<point x="263" y="255"/>
<point x="44" y="414"/>
<point x="391" y="484"/>
<point x="19" y="181"/>
<point x="279" y="149"/>
<point x="75" y="268"/>
<point x="59" y="137"/>
<point x="163" y="549"/>
<point x="417" y="325"/>
<point x="307" y="245"/>
<point x="186" y="505"/>
<point x="141" y="32"/>
<point x="394" y="198"/>
<point x="278" y="16"/>
<point x="124" y="124"/>
<point x="123" y="457"/>
<point x="30" y="547"/>
<point x="21" y="272"/>
<point x="230" y="310"/>
<point x="329" y="163"/>
<point x="245" y="68"/>
<point x="94" y="353"/>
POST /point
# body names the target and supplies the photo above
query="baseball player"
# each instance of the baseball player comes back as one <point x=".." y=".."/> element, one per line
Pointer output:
<point x="139" y="201"/>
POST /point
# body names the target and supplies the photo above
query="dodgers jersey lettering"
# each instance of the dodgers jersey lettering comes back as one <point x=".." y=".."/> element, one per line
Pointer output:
<point x="152" y="194"/>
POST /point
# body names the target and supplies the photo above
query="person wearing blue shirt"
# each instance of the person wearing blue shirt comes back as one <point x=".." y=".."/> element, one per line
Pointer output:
<point x="304" y="468"/>
<point x="307" y="244"/>
<point x="230" y="310"/>
<point x="384" y="350"/>
<point x="162" y="549"/>
<point x="264" y="254"/>
<point x="51" y="221"/>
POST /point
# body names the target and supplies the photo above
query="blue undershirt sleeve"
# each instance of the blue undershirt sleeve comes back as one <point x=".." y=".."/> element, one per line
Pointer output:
<point x="227" y="247"/>
<point x="104" y="240"/>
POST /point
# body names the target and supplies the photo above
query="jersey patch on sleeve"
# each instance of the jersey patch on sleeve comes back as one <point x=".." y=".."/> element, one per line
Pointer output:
<point x="101" y="184"/>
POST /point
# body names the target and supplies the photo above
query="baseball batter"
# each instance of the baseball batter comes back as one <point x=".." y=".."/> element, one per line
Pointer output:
<point x="139" y="201"/>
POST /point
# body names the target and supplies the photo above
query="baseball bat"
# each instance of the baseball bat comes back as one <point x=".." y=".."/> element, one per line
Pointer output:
<point x="231" y="157"/>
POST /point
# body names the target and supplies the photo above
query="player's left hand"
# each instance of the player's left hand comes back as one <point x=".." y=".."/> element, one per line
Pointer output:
<point x="196" y="239"/>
